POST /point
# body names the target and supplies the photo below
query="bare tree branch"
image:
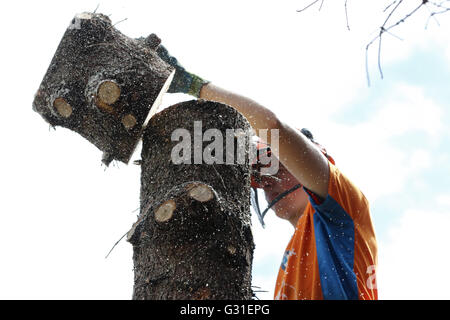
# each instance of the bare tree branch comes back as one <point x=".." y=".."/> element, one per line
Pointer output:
<point x="435" y="8"/>
<point x="390" y="5"/>
<point x="384" y="29"/>
<point x="321" y="4"/>
<point x="346" y="15"/>
<point x="120" y="22"/>
<point x="115" y="245"/>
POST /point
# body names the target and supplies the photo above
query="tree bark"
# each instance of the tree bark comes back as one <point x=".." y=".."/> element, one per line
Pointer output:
<point x="103" y="85"/>
<point x="193" y="239"/>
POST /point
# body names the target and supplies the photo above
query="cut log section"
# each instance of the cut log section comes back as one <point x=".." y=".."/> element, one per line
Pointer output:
<point x="193" y="238"/>
<point x="103" y="85"/>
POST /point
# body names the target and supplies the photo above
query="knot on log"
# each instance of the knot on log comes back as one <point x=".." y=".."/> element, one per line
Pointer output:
<point x="165" y="211"/>
<point x="108" y="92"/>
<point x="180" y="197"/>
<point x="200" y="191"/>
<point x="63" y="108"/>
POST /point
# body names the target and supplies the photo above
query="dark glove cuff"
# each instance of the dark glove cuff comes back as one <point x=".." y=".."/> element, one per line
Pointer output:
<point x="196" y="86"/>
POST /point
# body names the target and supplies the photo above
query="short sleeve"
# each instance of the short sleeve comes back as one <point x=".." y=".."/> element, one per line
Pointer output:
<point x="342" y="192"/>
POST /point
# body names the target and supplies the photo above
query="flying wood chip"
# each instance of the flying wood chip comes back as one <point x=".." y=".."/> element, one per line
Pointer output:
<point x="103" y="85"/>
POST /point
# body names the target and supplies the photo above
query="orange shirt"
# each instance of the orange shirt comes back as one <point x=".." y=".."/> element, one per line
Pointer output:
<point x="333" y="252"/>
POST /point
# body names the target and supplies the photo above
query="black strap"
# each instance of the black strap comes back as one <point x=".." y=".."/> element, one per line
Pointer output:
<point x="279" y="197"/>
<point x="255" y="203"/>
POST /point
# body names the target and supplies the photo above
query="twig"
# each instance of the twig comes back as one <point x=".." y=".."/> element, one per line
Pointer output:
<point x="446" y="9"/>
<point x="395" y="36"/>
<point x="384" y="29"/>
<point x="387" y="8"/>
<point x="115" y="245"/>
<point x="346" y="15"/>
<point x="406" y="17"/>
<point x="136" y="210"/>
<point x="391" y="13"/>
<point x="431" y="16"/>
<point x="119" y="22"/>
<point x="379" y="54"/>
<point x="439" y="5"/>
<point x="255" y="291"/>
<point x="321" y="4"/>
<point x="367" y="66"/>
<point x="309" y="5"/>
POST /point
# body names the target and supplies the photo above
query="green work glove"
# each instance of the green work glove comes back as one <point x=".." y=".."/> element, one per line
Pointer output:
<point x="183" y="81"/>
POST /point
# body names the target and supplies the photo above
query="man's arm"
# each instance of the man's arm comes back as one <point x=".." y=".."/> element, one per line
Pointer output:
<point x="297" y="153"/>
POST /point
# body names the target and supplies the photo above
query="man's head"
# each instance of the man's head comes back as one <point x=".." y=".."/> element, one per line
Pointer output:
<point x="291" y="206"/>
<point x="283" y="192"/>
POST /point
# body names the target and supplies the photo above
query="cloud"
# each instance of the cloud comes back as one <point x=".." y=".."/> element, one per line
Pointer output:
<point x="368" y="150"/>
<point x="412" y="260"/>
<point x="443" y="200"/>
<point x="407" y="108"/>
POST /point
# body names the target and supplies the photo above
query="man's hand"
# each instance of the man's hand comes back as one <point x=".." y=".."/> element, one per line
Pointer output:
<point x="183" y="81"/>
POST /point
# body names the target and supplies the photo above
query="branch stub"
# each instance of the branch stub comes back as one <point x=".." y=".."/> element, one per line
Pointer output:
<point x="108" y="92"/>
<point x="62" y="107"/>
<point x="165" y="211"/>
<point x="201" y="192"/>
<point x="129" y="121"/>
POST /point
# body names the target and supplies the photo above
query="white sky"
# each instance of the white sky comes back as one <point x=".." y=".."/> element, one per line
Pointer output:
<point x="61" y="211"/>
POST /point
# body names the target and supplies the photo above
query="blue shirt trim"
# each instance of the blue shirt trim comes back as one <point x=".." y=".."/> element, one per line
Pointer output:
<point x="335" y="243"/>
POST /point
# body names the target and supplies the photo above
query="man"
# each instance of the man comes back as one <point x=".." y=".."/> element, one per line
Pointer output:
<point x="332" y="253"/>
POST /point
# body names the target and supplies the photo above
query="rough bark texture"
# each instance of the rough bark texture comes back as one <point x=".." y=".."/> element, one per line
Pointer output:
<point x="192" y="239"/>
<point x="102" y="84"/>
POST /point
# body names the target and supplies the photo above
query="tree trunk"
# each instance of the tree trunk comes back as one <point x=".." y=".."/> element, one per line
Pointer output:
<point x="103" y="85"/>
<point x="193" y="239"/>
